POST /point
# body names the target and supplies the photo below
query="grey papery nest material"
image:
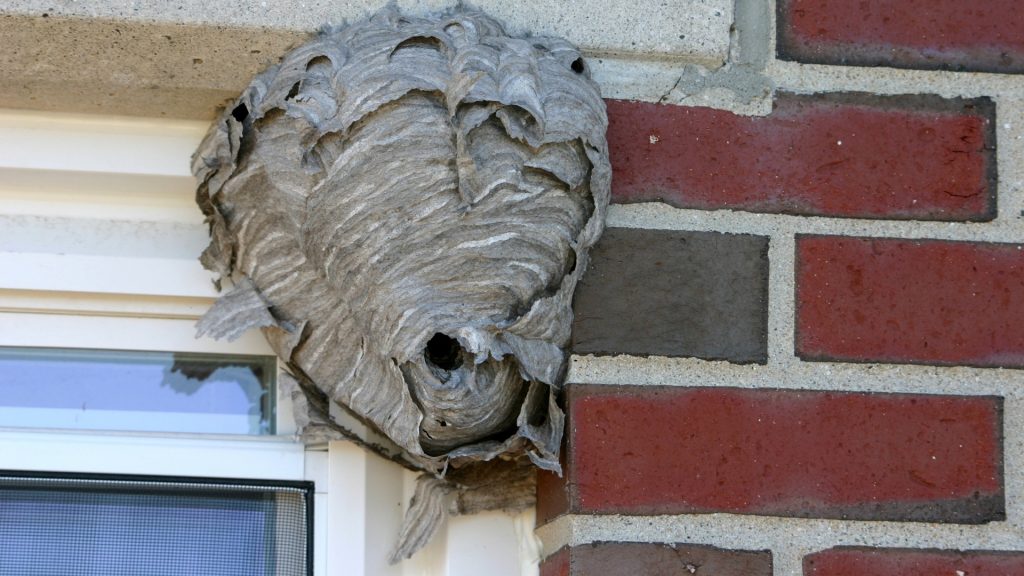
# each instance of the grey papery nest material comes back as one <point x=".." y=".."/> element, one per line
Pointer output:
<point x="405" y="206"/>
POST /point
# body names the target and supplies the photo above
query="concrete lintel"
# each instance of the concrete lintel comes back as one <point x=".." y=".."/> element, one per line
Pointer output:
<point x="182" y="59"/>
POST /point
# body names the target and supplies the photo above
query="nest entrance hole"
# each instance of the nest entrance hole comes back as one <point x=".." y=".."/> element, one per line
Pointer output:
<point x="444" y="352"/>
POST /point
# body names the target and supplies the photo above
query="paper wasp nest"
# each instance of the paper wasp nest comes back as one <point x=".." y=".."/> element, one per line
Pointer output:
<point x="404" y="207"/>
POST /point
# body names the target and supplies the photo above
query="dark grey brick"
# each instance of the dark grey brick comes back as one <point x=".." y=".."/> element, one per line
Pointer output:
<point x="675" y="293"/>
<point x="640" y="558"/>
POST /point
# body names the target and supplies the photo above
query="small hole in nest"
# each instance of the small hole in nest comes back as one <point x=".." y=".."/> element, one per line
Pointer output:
<point x="319" y="62"/>
<point x="241" y="112"/>
<point x="444" y="352"/>
<point x="442" y="423"/>
<point x="578" y="66"/>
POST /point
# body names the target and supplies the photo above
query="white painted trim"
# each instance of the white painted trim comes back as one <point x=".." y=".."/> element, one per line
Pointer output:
<point x="365" y="500"/>
<point x="53" y="141"/>
<point x="118" y="333"/>
<point x="253" y="457"/>
<point x="78" y="194"/>
<point x="91" y="304"/>
<point x="105" y="275"/>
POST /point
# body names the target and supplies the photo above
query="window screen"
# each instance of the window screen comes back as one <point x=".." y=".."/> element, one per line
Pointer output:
<point x="138" y="391"/>
<point x="64" y="525"/>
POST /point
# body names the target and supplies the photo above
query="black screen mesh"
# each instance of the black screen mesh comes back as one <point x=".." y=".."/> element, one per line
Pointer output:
<point x="53" y="525"/>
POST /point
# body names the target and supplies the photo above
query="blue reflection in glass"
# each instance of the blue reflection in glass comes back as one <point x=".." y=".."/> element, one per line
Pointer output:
<point x="149" y="391"/>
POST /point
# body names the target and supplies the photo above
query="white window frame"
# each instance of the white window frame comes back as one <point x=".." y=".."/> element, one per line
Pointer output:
<point x="74" y="291"/>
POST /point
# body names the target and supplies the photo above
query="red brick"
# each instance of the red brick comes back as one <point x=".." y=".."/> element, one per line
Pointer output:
<point x="843" y="155"/>
<point x="552" y="495"/>
<point x="671" y="450"/>
<point x="642" y="559"/>
<point x="907" y="301"/>
<point x="929" y="34"/>
<point x="556" y="565"/>
<point x="894" y="562"/>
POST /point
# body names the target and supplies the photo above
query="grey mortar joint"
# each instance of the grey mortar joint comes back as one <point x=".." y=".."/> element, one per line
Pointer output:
<point x="742" y="80"/>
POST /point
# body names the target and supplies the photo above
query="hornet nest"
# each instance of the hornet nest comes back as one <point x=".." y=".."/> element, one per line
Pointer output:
<point x="404" y="207"/>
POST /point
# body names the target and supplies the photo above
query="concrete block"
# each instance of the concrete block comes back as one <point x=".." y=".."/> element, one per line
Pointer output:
<point x="182" y="59"/>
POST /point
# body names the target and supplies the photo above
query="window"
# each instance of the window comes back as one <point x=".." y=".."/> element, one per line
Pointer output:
<point x="73" y="524"/>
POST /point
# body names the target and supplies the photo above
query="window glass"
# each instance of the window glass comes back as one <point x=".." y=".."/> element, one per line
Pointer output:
<point x="141" y="391"/>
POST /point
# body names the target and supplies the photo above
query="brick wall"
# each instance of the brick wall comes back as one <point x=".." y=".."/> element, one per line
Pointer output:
<point x="799" y="348"/>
